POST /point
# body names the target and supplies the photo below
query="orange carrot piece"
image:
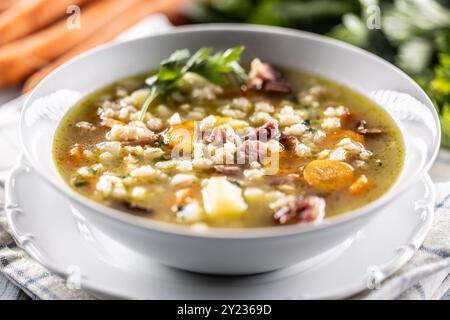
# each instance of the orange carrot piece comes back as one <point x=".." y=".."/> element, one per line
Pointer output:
<point x="360" y="186"/>
<point x="328" y="175"/>
<point x="346" y="119"/>
<point x="76" y="155"/>
<point x="182" y="197"/>
<point x="8" y="4"/>
<point x="182" y="136"/>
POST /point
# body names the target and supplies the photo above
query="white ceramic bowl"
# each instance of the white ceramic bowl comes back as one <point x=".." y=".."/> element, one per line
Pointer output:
<point x="236" y="251"/>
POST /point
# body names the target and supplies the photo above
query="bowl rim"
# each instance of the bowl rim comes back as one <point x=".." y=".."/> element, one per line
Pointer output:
<point x="231" y="233"/>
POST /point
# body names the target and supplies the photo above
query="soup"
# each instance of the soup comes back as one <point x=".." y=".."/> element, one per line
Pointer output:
<point x="265" y="148"/>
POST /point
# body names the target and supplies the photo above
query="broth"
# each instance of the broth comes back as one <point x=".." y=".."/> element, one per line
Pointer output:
<point x="336" y="149"/>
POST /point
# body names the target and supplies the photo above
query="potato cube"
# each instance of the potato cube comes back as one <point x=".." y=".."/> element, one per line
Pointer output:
<point x="222" y="199"/>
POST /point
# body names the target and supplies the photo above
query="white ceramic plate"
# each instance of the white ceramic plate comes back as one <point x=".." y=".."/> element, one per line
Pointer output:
<point x="53" y="233"/>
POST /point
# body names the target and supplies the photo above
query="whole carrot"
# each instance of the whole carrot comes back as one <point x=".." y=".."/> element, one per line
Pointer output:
<point x="6" y="4"/>
<point x="28" y="16"/>
<point x="109" y="32"/>
<point x="21" y="58"/>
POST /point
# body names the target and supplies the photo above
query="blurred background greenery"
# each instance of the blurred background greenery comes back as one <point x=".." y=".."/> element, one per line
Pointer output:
<point x="413" y="34"/>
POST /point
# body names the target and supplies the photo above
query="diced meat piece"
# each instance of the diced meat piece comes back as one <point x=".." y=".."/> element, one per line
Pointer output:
<point x="284" y="179"/>
<point x="289" y="142"/>
<point x="141" y="142"/>
<point x="278" y="86"/>
<point x="259" y="73"/>
<point x="135" y="207"/>
<point x="268" y="131"/>
<point x="301" y="209"/>
<point x="265" y="78"/>
<point x="228" y="170"/>
<point x="361" y="128"/>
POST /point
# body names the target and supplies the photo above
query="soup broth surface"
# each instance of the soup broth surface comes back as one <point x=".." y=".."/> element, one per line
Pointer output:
<point x="325" y="150"/>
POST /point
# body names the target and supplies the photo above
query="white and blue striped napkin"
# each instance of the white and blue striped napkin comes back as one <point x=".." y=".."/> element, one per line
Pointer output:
<point x="425" y="276"/>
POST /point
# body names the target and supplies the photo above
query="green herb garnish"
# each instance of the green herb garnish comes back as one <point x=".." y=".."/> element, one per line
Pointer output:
<point x="294" y="98"/>
<point x="221" y="68"/>
<point x="413" y="34"/>
<point x="164" y="157"/>
<point x="236" y="183"/>
<point x="80" y="184"/>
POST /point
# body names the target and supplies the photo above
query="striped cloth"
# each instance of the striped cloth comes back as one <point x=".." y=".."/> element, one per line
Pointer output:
<point x="425" y="276"/>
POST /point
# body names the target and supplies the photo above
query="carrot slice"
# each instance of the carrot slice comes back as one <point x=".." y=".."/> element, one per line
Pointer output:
<point x="361" y="185"/>
<point x="328" y="175"/>
<point x="181" y="197"/>
<point x="75" y="155"/>
<point x="332" y="138"/>
<point x="181" y="136"/>
<point x="346" y="119"/>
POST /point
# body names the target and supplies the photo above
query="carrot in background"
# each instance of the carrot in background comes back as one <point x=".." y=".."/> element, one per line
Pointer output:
<point x="21" y="58"/>
<point x="30" y="15"/>
<point x="126" y="20"/>
<point x="6" y="4"/>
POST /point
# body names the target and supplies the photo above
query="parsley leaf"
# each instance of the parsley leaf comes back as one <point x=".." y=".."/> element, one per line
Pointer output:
<point x="221" y="68"/>
<point x="80" y="184"/>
